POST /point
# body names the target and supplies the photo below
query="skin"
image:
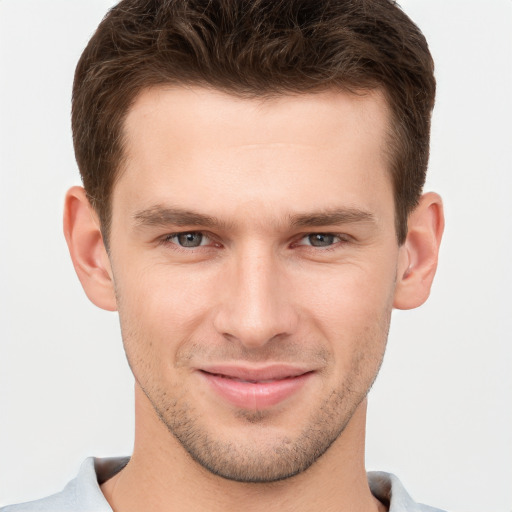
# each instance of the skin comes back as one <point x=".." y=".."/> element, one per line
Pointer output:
<point x="259" y="183"/>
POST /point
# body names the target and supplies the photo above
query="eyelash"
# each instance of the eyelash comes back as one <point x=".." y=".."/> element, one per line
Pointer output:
<point x="343" y="239"/>
<point x="167" y="240"/>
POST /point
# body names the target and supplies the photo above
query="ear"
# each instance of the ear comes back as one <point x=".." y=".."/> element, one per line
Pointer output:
<point x="419" y="253"/>
<point x="88" y="253"/>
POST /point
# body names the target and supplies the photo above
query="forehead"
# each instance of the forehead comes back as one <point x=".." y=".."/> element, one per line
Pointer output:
<point x="205" y="147"/>
<point x="294" y="118"/>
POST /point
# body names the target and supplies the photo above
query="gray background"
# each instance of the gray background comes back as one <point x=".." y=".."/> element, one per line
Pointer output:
<point x="440" y="413"/>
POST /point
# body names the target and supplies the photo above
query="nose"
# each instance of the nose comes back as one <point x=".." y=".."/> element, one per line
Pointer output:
<point x="255" y="306"/>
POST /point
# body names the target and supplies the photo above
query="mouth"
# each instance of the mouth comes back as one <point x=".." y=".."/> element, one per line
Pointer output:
<point x="255" y="388"/>
<point x="263" y="381"/>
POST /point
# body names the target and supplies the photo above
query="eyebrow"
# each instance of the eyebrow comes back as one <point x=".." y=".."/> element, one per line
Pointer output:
<point x="162" y="216"/>
<point x="331" y="217"/>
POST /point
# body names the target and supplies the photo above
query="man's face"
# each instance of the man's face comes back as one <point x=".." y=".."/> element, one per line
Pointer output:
<point x="254" y="256"/>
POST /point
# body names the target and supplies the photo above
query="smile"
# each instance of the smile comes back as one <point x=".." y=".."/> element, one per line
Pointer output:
<point x="250" y="381"/>
<point x="255" y="389"/>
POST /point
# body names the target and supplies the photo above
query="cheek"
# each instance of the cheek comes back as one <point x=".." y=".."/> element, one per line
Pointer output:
<point x="351" y="309"/>
<point x="351" y="294"/>
<point x="160" y="309"/>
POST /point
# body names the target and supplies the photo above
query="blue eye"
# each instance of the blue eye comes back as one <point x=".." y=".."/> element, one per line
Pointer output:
<point x="321" y="239"/>
<point x="191" y="239"/>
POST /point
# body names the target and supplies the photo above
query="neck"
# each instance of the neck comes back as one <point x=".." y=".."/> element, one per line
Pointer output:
<point x="162" y="476"/>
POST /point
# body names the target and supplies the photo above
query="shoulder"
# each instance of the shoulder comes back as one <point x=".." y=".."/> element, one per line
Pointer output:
<point x="387" y="488"/>
<point x="82" y="494"/>
<point x="64" y="501"/>
<point x="60" y="502"/>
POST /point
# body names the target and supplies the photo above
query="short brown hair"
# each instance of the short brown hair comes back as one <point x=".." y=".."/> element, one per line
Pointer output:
<point x="253" y="48"/>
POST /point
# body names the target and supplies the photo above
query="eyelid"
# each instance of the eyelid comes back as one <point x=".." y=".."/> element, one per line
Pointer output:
<point x="168" y="239"/>
<point x="342" y="238"/>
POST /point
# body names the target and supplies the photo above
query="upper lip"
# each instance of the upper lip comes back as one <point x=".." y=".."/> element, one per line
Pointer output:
<point x="268" y="372"/>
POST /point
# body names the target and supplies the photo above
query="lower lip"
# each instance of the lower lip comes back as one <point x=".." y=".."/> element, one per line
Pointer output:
<point x="255" y="395"/>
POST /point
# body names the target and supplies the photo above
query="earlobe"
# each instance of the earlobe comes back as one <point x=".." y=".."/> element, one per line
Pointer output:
<point x="87" y="250"/>
<point x="419" y="253"/>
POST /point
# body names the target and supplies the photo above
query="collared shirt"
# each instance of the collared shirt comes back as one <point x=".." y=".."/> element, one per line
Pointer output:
<point x="83" y="493"/>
